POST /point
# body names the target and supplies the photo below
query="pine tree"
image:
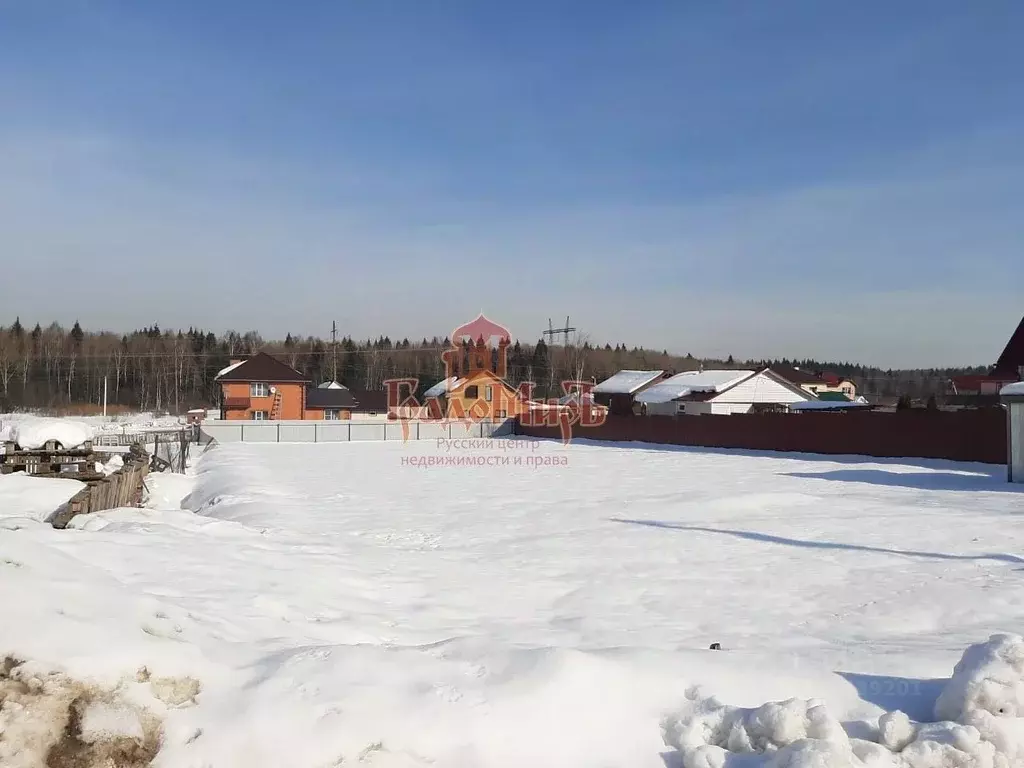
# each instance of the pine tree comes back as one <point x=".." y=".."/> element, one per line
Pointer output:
<point x="541" y="368"/>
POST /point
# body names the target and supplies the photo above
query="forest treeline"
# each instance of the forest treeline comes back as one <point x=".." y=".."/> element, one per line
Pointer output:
<point x="157" y="369"/>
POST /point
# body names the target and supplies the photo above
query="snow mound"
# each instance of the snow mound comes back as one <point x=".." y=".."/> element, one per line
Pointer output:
<point x="790" y="734"/>
<point x="980" y="713"/>
<point x="987" y="692"/>
<point x="32" y="434"/>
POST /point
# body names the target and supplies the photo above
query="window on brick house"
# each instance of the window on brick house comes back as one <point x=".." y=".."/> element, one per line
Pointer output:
<point x="260" y="416"/>
<point x="259" y="389"/>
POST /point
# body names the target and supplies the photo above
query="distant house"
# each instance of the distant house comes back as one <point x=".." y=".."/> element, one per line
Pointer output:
<point x="817" y="382"/>
<point x="832" y="401"/>
<point x="1009" y="369"/>
<point x="330" y="402"/>
<point x="619" y="391"/>
<point x="483" y="394"/>
<point x="480" y="390"/>
<point x="721" y="392"/>
<point x="262" y="388"/>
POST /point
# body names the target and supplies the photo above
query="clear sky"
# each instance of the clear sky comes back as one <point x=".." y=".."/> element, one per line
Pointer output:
<point x="842" y="180"/>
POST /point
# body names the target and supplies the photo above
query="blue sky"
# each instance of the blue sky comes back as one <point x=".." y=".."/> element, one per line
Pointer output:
<point x="795" y="178"/>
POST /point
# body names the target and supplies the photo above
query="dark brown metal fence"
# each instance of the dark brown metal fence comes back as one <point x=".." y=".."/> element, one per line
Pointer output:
<point x="969" y="435"/>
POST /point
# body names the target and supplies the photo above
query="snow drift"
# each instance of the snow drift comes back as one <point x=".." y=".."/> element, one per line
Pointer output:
<point x="980" y="724"/>
<point x="32" y="434"/>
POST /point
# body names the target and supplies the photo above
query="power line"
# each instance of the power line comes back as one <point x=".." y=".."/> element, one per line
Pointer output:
<point x="551" y="331"/>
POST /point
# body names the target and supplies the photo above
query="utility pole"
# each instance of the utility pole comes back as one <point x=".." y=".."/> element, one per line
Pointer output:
<point x="334" y="351"/>
<point x="104" y="397"/>
<point x="551" y="332"/>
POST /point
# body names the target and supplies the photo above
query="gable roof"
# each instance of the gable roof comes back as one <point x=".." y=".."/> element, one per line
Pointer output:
<point x="442" y="387"/>
<point x="324" y="397"/>
<point x="1013" y="354"/>
<point x="343" y="398"/>
<point x="261" y="367"/>
<point x="475" y="380"/>
<point x="767" y="373"/>
<point x="797" y="376"/>
<point x="626" y="382"/>
<point x="689" y="382"/>
<point x="230" y="368"/>
<point x="370" y="400"/>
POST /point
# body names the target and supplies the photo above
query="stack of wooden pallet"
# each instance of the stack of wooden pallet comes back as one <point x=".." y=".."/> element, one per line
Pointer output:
<point x="48" y="461"/>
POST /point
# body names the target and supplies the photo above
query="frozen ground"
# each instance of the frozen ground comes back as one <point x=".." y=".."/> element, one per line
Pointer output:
<point x="334" y="605"/>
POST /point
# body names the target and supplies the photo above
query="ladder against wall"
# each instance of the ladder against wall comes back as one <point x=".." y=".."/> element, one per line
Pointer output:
<point x="275" y="409"/>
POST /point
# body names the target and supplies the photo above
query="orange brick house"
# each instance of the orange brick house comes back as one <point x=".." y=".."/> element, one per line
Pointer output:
<point x="475" y="386"/>
<point x="262" y="388"/>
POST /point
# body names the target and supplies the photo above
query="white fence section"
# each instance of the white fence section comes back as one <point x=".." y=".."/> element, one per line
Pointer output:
<point x="346" y="431"/>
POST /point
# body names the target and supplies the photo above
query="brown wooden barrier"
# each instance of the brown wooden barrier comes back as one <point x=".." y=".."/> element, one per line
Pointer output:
<point x="969" y="435"/>
<point x="122" y="488"/>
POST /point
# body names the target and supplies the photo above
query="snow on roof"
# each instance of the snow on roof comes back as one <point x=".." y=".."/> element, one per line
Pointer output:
<point x="331" y="385"/>
<point x="1013" y="389"/>
<point x="229" y="369"/>
<point x="574" y="397"/>
<point x="32" y="434"/>
<point x="684" y="383"/>
<point x="626" y="382"/>
<point x="445" y="385"/>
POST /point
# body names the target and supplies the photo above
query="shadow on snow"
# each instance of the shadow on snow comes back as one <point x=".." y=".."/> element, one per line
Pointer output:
<point x="987" y="480"/>
<point x="767" y="538"/>
<point x="913" y="696"/>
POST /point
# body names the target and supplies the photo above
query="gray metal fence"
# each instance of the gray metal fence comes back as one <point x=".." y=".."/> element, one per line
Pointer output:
<point x="346" y="431"/>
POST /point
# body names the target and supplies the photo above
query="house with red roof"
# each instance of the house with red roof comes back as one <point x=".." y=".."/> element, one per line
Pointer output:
<point x="1009" y="369"/>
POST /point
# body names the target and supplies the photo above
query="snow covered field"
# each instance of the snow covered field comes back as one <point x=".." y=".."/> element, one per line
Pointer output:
<point x="326" y="605"/>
